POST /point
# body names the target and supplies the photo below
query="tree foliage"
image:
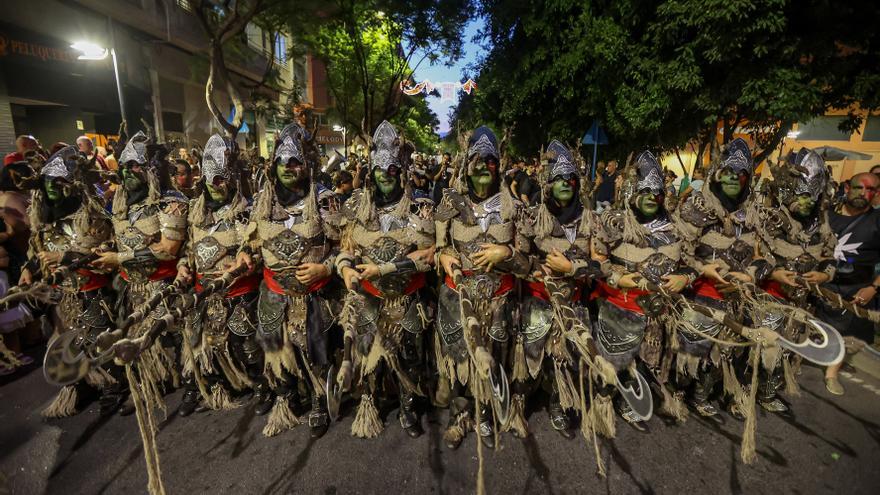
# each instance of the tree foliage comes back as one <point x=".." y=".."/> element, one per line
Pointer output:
<point x="370" y="47"/>
<point x="662" y="73"/>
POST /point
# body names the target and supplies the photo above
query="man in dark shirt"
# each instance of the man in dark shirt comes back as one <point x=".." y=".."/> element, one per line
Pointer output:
<point x="857" y="227"/>
<point x="527" y="188"/>
<point x="607" y="181"/>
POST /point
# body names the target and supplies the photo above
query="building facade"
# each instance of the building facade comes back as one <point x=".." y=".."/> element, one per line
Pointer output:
<point x="46" y="91"/>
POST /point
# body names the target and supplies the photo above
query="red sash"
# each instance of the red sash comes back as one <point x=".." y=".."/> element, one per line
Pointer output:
<point x="622" y="298"/>
<point x="774" y="288"/>
<point x="706" y="287"/>
<point x="537" y="289"/>
<point x="243" y="285"/>
<point x="94" y="280"/>
<point x="165" y="269"/>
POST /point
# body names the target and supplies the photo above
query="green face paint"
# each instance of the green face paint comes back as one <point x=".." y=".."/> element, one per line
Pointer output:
<point x="54" y="190"/>
<point x="647" y="204"/>
<point x="133" y="181"/>
<point x="562" y="191"/>
<point x="730" y="184"/>
<point x="802" y="206"/>
<point x="290" y="175"/>
<point x="218" y="192"/>
<point x="481" y="180"/>
<point x="384" y="182"/>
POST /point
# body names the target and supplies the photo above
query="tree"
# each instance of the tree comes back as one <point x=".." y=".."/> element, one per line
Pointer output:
<point x="661" y="74"/>
<point x="370" y="47"/>
<point x="224" y="23"/>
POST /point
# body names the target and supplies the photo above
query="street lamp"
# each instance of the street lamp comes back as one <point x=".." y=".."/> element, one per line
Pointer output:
<point x="93" y="51"/>
<point x="340" y="128"/>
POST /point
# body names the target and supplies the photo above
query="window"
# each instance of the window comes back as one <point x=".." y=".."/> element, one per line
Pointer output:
<point x="281" y="48"/>
<point x="822" y="129"/>
<point x="872" y="129"/>
<point x="254" y="36"/>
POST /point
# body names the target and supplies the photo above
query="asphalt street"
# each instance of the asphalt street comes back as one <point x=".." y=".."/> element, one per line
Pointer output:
<point x="829" y="445"/>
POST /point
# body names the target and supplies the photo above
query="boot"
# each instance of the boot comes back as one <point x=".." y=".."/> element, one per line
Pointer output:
<point x="319" y="419"/>
<point x="767" y="396"/>
<point x="558" y="419"/>
<point x="700" y="400"/>
<point x="485" y="429"/>
<point x="263" y="399"/>
<point x="409" y="420"/>
<point x="189" y="403"/>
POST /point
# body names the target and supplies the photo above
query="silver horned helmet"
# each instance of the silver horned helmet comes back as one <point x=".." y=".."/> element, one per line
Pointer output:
<point x="561" y="163"/>
<point x="649" y="174"/>
<point x="810" y="175"/>
<point x="483" y="143"/>
<point x="737" y="157"/>
<point x="215" y="159"/>
<point x="290" y="145"/>
<point x="386" y="147"/>
<point x="61" y="164"/>
<point x="135" y="150"/>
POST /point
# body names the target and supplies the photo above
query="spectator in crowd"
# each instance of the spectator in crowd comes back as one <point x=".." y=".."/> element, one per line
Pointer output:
<point x="14" y="235"/>
<point x="442" y="178"/>
<point x="695" y="184"/>
<point x="343" y="185"/>
<point x="87" y="147"/>
<point x="525" y="185"/>
<point x="110" y="159"/>
<point x="24" y="144"/>
<point x="183" y="177"/>
<point x="857" y="227"/>
<point x="876" y="201"/>
<point x="606" y="184"/>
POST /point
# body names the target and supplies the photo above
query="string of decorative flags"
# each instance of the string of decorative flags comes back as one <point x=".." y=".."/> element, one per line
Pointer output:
<point x="446" y="89"/>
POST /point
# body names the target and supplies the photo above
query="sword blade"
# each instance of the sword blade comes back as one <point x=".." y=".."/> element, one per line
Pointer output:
<point x="640" y="401"/>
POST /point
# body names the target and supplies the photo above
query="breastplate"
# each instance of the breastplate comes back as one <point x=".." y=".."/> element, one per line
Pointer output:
<point x="214" y="246"/>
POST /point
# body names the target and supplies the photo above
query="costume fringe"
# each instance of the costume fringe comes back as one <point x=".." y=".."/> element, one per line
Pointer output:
<point x="442" y="395"/>
<point x="791" y="385"/>
<point x="520" y="371"/>
<point x="601" y="416"/>
<point x="278" y="361"/>
<point x="7" y="357"/>
<point x="544" y="222"/>
<point x="673" y="405"/>
<point x="144" y="399"/>
<point x="221" y="400"/>
<point x="364" y="211"/>
<point x="564" y="386"/>
<point x="587" y="429"/>
<point x="445" y="364"/>
<point x="237" y="378"/>
<point x="604" y="370"/>
<point x="747" y="408"/>
<point x="280" y="419"/>
<point x="516" y="419"/>
<point x="99" y="378"/>
<point x="481" y="480"/>
<point x="732" y="387"/>
<point x="64" y="404"/>
<point x="687" y="365"/>
<point x="459" y="428"/>
<point x="367" y="423"/>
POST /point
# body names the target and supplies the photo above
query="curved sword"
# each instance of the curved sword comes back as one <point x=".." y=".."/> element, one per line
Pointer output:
<point x="333" y="393"/>
<point x="641" y="402"/>
<point x="500" y="394"/>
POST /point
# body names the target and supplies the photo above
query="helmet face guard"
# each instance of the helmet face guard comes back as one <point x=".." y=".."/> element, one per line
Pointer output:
<point x="215" y="160"/>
